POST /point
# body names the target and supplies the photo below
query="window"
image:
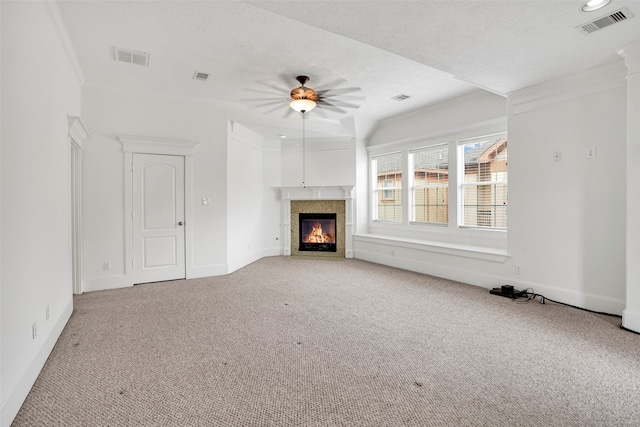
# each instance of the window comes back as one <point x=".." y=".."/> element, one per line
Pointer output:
<point x="468" y="192"/>
<point x="430" y="187"/>
<point x="387" y="193"/>
<point x="387" y="187"/>
<point x="483" y="184"/>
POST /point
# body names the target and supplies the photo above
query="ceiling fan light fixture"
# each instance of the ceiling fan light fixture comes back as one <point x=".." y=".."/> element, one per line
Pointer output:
<point x="302" y="105"/>
<point x="592" y="5"/>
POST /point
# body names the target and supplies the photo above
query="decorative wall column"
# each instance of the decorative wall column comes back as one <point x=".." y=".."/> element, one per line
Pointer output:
<point x="631" y="314"/>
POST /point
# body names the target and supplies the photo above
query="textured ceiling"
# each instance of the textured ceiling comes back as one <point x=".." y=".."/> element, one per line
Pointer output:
<point x="430" y="50"/>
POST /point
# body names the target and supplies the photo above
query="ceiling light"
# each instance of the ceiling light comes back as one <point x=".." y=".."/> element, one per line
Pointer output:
<point x="592" y="5"/>
<point x="302" y="105"/>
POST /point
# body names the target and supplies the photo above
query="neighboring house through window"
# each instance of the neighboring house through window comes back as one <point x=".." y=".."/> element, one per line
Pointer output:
<point x="483" y="187"/>
<point x="387" y="188"/>
<point x="479" y="186"/>
<point x="430" y="186"/>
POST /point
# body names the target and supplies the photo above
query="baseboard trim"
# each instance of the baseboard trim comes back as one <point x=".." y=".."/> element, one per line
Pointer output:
<point x="567" y="296"/>
<point x="195" y="272"/>
<point x="18" y="393"/>
<point x="631" y="320"/>
<point x="91" y="284"/>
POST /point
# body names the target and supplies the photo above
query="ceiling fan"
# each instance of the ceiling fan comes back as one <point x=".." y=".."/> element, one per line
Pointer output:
<point x="333" y="97"/>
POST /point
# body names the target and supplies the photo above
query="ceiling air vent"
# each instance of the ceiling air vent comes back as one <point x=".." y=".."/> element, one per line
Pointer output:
<point x="131" y="56"/>
<point x="200" y="76"/>
<point x="401" y="97"/>
<point x="598" y="24"/>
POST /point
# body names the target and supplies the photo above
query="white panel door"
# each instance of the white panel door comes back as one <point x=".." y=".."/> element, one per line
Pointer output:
<point x="158" y="218"/>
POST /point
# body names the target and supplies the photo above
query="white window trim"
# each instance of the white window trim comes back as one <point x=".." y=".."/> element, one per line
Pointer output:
<point x="461" y="184"/>
<point x="482" y="239"/>
<point x="411" y="186"/>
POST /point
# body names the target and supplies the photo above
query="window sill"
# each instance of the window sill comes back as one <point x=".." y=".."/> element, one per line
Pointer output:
<point x="459" y="250"/>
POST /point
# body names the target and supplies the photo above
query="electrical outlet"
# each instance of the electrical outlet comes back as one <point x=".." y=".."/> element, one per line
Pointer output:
<point x="106" y="265"/>
<point x="557" y="156"/>
<point x="518" y="269"/>
<point x="34" y="330"/>
<point x="206" y="201"/>
<point x="591" y="152"/>
<point x="47" y="313"/>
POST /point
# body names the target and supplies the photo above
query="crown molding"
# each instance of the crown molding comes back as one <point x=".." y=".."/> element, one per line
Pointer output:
<point x="631" y="55"/>
<point x="51" y="6"/>
<point x="590" y="82"/>
<point x="246" y="136"/>
<point x="145" y="144"/>
<point x="77" y="131"/>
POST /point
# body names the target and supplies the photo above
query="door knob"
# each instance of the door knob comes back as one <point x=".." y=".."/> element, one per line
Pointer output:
<point x="181" y="223"/>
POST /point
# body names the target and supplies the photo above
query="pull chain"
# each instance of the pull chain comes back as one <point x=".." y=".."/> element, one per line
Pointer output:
<point x="304" y="154"/>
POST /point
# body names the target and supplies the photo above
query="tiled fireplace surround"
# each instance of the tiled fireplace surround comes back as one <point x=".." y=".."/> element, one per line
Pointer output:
<point x="335" y="199"/>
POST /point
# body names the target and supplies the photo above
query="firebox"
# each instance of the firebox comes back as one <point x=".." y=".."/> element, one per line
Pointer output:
<point x="317" y="232"/>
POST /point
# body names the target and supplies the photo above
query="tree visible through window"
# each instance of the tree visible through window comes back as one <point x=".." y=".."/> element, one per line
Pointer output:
<point x="484" y="183"/>
<point x="387" y="192"/>
<point x="430" y="187"/>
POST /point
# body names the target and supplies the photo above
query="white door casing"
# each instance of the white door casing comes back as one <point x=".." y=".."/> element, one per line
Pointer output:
<point x="135" y="144"/>
<point x="158" y="218"/>
<point x="77" y="135"/>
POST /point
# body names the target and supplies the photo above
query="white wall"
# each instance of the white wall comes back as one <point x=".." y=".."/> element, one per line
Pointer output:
<point x="328" y="162"/>
<point x="272" y="232"/>
<point x="566" y="219"/>
<point x="110" y="112"/>
<point x="477" y="114"/>
<point x="631" y="314"/>
<point x="245" y="197"/>
<point x="453" y="116"/>
<point x="236" y="168"/>
<point x="40" y="88"/>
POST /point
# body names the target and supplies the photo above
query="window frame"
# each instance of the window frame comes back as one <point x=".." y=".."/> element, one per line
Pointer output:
<point x="412" y="186"/>
<point x="494" y="183"/>
<point x="383" y="190"/>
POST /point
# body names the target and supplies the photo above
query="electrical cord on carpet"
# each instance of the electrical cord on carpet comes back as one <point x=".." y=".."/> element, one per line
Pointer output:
<point x="529" y="295"/>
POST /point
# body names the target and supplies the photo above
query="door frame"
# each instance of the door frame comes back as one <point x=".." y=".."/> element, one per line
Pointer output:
<point x="77" y="135"/>
<point x="151" y="145"/>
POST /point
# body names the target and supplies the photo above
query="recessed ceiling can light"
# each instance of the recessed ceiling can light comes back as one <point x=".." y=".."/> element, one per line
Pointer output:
<point x="592" y="5"/>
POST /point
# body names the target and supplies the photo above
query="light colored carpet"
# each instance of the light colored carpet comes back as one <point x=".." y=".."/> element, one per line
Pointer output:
<point x="301" y="342"/>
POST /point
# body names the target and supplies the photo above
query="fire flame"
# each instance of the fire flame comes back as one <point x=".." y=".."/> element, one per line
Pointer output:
<point x="317" y="235"/>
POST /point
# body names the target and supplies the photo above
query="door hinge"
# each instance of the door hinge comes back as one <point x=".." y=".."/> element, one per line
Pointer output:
<point x="131" y="167"/>
<point x="133" y="263"/>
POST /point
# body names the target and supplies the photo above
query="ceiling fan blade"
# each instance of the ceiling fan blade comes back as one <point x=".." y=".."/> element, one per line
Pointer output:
<point x="327" y="106"/>
<point x="274" y="86"/>
<point x="276" y="104"/>
<point x="274" y="99"/>
<point x="338" y="91"/>
<point x="331" y="84"/>
<point x="289" y="81"/>
<point x="288" y="113"/>
<point x="336" y="103"/>
<point x="319" y="111"/>
<point x="275" y="108"/>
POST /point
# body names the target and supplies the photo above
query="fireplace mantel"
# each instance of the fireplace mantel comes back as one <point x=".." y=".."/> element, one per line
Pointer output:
<point x="337" y="192"/>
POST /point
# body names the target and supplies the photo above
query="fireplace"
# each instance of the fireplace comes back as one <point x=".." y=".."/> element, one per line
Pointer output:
<point x="317" y="232"/>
